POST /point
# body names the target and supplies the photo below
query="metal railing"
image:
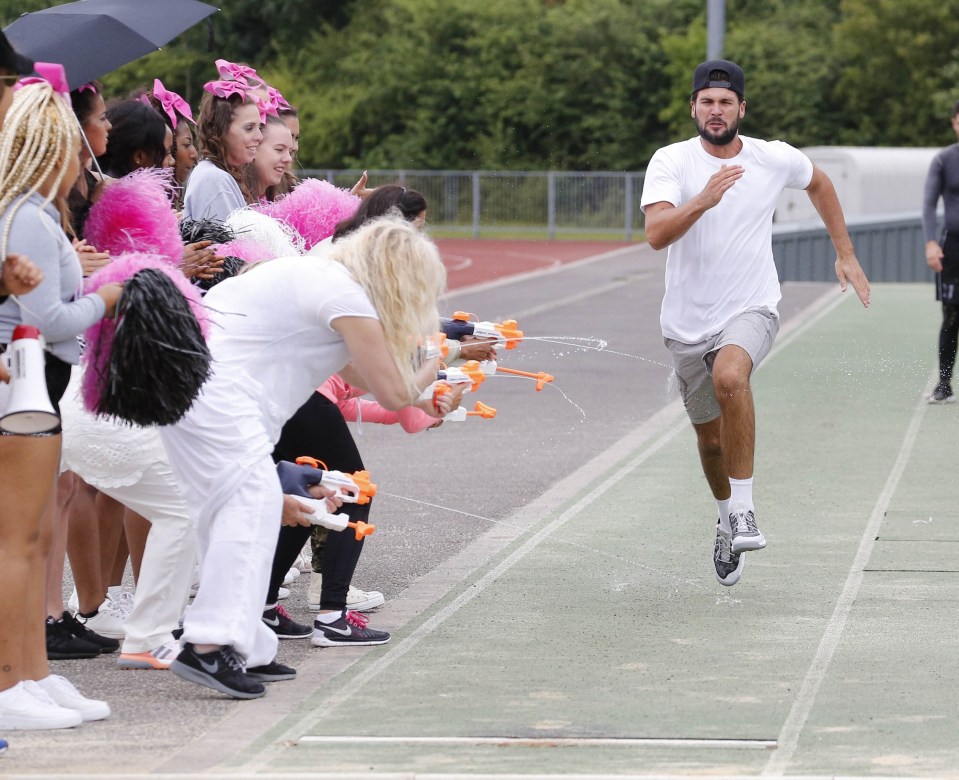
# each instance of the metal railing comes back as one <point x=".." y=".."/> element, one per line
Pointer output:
<point x="890" y="248"/>
<point x="489" y="202"/>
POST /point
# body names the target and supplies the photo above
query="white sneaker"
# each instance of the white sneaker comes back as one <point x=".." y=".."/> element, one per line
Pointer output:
<point x="284" y="593"/>
<point x="121" y="602"/>
<point x="64" y="693"/>
<point x="21" y="710"/>
<point x="304" y="560"/>
<point x="107" y="622"/>
<point x="291" y="576"/>
<point x="158" y="658"/>
<point x="73" y="603"/>
<point x="356" y="600"/>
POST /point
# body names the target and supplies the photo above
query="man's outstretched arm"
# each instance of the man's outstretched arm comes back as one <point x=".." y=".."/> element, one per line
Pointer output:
<point x="824" y="199"/>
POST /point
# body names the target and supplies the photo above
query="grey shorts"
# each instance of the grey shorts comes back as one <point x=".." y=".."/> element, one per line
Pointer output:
<point x="753" y="331"/>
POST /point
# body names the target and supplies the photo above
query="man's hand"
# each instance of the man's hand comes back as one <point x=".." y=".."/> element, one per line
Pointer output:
<point x="719" y="183"/>
<point x="848" y="271"/>
<point x="934" y="256"/>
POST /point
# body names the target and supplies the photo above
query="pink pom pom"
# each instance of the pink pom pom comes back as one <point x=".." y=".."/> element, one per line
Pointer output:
<point x="135" y="214"/>
<point x="313" y="209"/>
<point x="99" y="336"/>
<point x="246" y="249"/>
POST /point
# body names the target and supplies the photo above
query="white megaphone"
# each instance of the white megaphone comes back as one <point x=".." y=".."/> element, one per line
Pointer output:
<point x="29" y="409"/>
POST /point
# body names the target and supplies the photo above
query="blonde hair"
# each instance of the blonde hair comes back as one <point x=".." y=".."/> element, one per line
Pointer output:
<point x="401" y="271"/>
<point x="39" y="131"/>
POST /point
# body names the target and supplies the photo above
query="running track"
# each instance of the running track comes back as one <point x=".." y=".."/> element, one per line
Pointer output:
<point x="473" y="261"/>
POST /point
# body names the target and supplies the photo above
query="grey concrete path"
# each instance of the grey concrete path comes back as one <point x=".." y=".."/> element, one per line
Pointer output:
<point x="552" y="596"/>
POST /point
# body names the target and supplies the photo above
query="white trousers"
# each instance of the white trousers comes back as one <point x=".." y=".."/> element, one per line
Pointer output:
<point x="166" y="571"/>
<point x="220" y="453"/>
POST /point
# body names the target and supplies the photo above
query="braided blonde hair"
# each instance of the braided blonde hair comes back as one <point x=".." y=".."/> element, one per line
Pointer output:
<point x="402" y="273"/>
<point x="38" y="133"/>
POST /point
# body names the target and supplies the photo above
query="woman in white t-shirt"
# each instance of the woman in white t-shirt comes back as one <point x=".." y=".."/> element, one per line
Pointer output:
<point x="280" y="331"/>
<point x="228" y="134"/>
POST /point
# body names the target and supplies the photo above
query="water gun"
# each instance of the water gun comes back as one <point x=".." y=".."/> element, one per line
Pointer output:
<point x="354" y="488"/>
<point x="335" y="522"/>
<point x="469" y="373"/>
<point x="489" y="367"/>
<point x="460" y="413"/>
<point x="504" y="333"/>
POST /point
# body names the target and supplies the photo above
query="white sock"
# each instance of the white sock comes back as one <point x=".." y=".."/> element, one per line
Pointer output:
<point x="724" y="514"/>
<point x="742" y="490"/>
<point x="329" y="617"/>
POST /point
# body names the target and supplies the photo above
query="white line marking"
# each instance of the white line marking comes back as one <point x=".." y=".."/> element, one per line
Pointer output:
<point x="516" y="278"/>
<point x="762" y="744"/>
<point x="799" y="713"/>
<point x="672" y="418"/>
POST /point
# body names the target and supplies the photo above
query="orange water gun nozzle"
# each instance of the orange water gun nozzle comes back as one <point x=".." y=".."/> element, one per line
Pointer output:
<point x="541" y="377"/>
<point x="362" y="529"/>
<point x="482" y="410"/>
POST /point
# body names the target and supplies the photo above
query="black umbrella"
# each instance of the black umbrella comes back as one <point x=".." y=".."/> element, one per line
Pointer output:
<point x="93" y="37"/>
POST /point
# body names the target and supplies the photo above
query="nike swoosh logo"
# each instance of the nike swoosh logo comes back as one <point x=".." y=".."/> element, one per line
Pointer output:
<point x="209" y="668"/>
<point x="340" y="631"/>
<point x="275" y="622"/>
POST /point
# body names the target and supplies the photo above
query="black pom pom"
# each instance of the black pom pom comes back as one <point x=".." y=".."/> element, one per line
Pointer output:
<point x="159" y="359"/>
<point x="193" y="230"/>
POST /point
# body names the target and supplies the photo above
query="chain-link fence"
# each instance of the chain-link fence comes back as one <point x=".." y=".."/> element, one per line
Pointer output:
<point x="489" y="202"/>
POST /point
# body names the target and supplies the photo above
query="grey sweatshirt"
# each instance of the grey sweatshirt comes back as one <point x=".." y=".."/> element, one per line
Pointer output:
<point x="211" y="193"/>
<point x="942" y="181"/>
<point x="56" y="305"/>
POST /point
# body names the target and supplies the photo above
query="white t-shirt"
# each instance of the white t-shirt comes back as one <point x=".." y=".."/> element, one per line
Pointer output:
<point x="272" y="332"/>
<point x="723" y="265"/>
<point x="211" y="193"/>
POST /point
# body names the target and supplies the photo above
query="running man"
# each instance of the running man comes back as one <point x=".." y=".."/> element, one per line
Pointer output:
<point x="710" y="199"/>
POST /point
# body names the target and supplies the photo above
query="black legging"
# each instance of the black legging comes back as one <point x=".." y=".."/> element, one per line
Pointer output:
<point x="948" y="341"/>
<point x="319" y="430"/>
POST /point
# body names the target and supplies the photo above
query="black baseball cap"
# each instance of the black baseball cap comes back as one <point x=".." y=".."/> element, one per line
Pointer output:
<point x="12" y="60"/>
<point x="719" y="73"/>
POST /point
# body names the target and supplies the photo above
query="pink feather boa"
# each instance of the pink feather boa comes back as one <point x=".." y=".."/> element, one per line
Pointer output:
<point x="313" y="209"/>
<point x="135" y="214"/>
<point x="99" y="336"/>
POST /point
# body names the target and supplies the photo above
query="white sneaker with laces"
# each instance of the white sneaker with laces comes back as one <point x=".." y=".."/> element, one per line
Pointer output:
<point x="121" y="602"/>
<point x="107" y="622"/>
<point x="21" y="710"/>
<point x="158" y="658"/>
<point x="746" y="535"/>
<point x="356" y="600"/>
<point x="60" y="690"/>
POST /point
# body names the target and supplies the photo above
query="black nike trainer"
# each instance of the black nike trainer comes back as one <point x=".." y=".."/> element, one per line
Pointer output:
<point x="222" y="670"/>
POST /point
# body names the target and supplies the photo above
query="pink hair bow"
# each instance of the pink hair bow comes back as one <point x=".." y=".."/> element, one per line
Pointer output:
<point x="87" y="88"/>
<point x="276" y="99"/>
<point x="233" y="72"/>
<point x="264" y="107"/>
<point x="50" y="72"/>
<point x="172" y="103"/>
<point x="224" y="89"/>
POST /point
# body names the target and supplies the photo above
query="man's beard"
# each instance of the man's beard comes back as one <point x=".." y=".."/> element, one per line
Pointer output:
<point x="723" y="138"/>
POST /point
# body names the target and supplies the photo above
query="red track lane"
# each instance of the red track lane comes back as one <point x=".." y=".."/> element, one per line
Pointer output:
<point x="475" y="261"/>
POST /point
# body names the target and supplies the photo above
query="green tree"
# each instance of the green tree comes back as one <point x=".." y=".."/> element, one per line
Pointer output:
<point x="895" y="62"/>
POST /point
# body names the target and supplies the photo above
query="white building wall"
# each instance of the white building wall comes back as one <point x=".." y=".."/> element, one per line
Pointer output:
<point x="868" y="180"/>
